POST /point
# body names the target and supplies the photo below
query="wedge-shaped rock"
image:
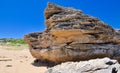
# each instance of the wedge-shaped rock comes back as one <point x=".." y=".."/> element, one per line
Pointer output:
<point x="73" y="36"/>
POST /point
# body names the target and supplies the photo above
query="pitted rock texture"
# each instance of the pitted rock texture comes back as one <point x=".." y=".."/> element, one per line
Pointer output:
<point x="104" y="65"/>
<point x="71" y="35"/>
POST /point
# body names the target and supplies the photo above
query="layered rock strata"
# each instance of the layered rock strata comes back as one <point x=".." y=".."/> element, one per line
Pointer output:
<point x="71" y="35"/>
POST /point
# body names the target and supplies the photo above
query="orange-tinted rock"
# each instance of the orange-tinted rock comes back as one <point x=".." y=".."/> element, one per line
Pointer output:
<point x="73" y="36"/>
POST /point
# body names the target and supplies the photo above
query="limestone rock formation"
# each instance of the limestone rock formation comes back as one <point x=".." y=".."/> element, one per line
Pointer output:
<point x="104" y="65"/>
<point x="71" y="35"/>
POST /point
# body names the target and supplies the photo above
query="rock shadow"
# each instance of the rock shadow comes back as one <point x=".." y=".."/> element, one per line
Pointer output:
<point x="45" y="63"/>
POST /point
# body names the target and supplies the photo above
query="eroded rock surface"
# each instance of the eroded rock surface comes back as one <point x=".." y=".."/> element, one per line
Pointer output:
<point x="71" y="35"/>
<point x="104" y="65"/>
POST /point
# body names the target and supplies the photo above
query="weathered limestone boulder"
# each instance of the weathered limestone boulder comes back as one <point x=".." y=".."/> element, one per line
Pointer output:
<point x="104" y="65"/>
<point x="71" y="35"/>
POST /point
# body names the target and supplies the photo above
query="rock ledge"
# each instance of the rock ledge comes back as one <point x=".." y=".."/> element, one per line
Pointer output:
<point x="104" y="65"/>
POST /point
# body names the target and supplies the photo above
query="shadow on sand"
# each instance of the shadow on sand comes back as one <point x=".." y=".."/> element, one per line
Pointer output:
<point x="45" y="63"/>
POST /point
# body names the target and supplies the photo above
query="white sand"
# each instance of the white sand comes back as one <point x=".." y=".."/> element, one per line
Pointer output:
<point x="16" y="61"/>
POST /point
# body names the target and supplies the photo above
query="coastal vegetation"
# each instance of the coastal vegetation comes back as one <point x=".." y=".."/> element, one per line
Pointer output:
<point x="13" y="43"/>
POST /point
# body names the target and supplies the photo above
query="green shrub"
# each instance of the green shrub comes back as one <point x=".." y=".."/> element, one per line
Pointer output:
<point x="12" y="41"/>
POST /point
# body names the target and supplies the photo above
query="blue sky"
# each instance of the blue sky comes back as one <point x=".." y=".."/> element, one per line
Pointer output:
<point x="19" y="17"/>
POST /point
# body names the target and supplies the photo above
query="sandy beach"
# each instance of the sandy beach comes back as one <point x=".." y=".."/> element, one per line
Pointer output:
<point x="18" y="61"/>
